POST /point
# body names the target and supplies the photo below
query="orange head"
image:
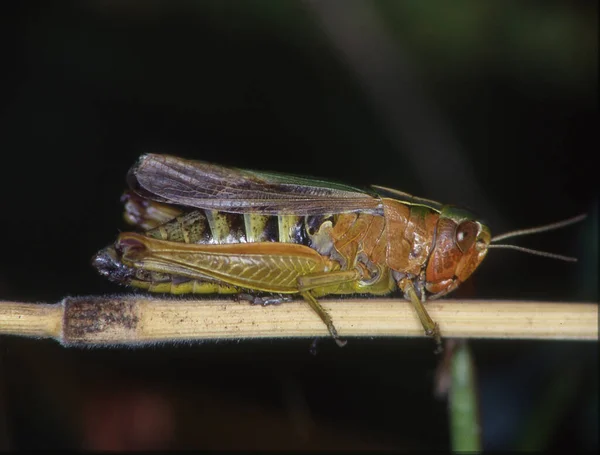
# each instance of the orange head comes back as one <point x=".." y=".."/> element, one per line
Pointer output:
<point x="461" y="243"/>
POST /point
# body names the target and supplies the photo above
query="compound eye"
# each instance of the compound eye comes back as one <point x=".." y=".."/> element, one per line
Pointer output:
<point x="466" y="234"/>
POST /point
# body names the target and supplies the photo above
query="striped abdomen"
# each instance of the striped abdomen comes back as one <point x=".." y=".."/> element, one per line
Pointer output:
<point x="215" y="227"/>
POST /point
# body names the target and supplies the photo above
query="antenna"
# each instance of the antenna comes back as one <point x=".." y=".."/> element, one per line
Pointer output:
<point x="544" y="228"/>
<point x="536" y="230"/>
<point x="536" y="252"/>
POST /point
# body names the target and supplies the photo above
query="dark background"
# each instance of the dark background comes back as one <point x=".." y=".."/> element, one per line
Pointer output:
<point x="490" y="105"/>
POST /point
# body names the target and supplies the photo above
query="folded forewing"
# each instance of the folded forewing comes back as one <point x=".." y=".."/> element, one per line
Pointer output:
<point x="197" y="184"/>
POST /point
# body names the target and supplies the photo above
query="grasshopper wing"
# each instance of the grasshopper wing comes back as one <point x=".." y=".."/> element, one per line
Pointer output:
<point x="173" y="180"/>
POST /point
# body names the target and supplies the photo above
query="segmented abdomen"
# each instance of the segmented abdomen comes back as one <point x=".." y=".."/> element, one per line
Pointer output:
<point x="211" y="226"/>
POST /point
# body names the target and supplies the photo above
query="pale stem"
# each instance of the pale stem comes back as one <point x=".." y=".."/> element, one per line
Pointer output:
<point x="131" y="319"/>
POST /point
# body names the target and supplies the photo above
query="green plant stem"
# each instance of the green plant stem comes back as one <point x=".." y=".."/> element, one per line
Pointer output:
<point x="465" y="429"/>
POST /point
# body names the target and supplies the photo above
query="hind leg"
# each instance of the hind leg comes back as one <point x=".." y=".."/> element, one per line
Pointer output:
<point x="274" y="299"/>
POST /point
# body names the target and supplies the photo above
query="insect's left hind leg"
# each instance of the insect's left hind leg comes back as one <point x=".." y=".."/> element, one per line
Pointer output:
<point x="276" y="299"/>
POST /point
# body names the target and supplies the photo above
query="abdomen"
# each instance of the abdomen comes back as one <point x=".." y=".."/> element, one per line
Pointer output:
<point x="215" y="227"/>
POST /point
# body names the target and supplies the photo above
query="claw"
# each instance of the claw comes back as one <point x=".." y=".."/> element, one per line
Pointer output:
<point x="341" y="343"/>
